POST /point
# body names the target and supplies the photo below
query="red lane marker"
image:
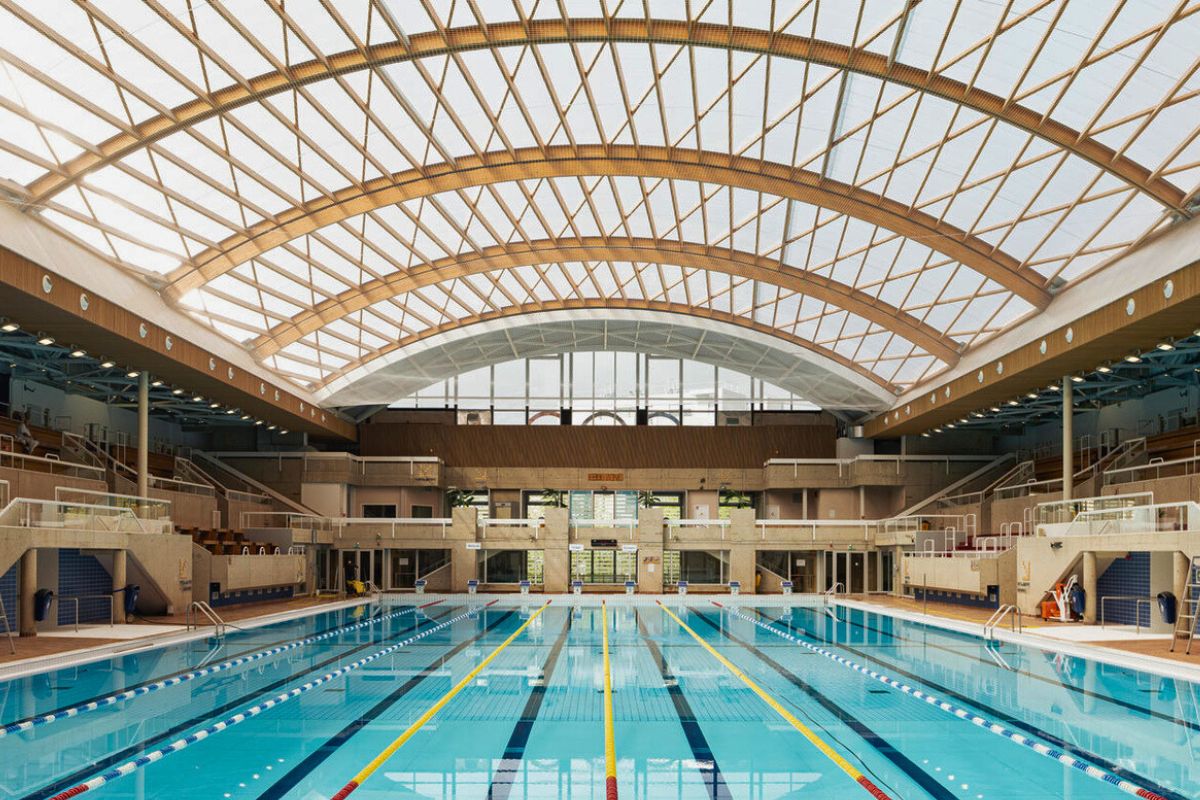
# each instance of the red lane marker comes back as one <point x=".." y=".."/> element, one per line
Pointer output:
<point x="610" y="788"/>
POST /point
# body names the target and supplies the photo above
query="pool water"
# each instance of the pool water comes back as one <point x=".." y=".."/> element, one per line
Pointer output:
<point x="691" y="718"/>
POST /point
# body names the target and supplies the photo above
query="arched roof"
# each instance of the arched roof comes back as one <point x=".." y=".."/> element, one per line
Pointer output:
<point x="886" y="183"/>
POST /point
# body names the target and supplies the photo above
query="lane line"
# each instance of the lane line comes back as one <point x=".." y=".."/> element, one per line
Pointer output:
<point x="924" y="779"/>
<point x="1090" y="770"/>
<point x="116" y="757"/>
<point x="702" y="754"/>
<point x="816" y="741"/>
<point x="1003" y="716"/>
<point x="185" y="677"/>
<point x="514" y="752"/>
<point x="310" y="763"/>
<point x="379" y="760"/>
<point x="204" y="733"/>
<point x="610" y="747"/>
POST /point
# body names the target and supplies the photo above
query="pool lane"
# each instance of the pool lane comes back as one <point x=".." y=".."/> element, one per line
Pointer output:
<point x="58" y="758"/>
<point x="981" y="708"/>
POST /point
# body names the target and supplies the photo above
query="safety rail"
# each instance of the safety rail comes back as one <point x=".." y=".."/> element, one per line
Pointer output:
<point x="674" y="526"/>
<point x="180" y="486"/>
<point x="1155" y="469"/>
<point x="82" y="449"/>
<point x="867" y="527"/>
<point x="535" y="524"/>
<point x="149" y="509"/>
<point x="51" y="465"/>
<point x="577" y="524"/>
<point x="198" y="608"/>
<point x="112" y="605"/>
<point x="1066" y="510"/>
<point x="1006" y="611"/>
<point x="845" y="465"/>
<point x="285" y="519"/>
<point x="951" y="498"/>
<point x="1155" y="518"/>
<point x="1137" y="600"/>
<point x="27" y="512"/>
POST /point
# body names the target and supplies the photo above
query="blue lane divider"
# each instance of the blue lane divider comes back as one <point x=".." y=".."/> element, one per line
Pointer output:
<point x="1090" y="770"/>
<point x="129" y="694"/>
<point x="250" y="713"/>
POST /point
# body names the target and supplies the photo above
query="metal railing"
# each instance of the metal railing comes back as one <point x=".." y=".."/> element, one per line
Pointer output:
<point x="845" y="466"/>
<point x="535" y="524"/>
<point x="1155" y="469"/>
<point x="198" y="608"/>
<point x="151" y="510"/>
<point x="75" y="598"/>
<point x="577" y="524"/>
<point x="51" y="465"/>
<point x="1156" y="518"/>
<point x="1067" y="510"/>
<point x="1137" y="600"/>
<point x="867" y="528"/>
<point x="183" y="487"/>
<point x="1007" y="611"/>
<point x="24" y="512"/>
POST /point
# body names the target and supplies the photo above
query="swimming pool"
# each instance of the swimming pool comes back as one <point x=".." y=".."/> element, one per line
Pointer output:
<point x="771" y="698"/>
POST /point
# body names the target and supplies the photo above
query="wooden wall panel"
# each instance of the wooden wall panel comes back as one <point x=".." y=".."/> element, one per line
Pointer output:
<point x="652" y="447"/>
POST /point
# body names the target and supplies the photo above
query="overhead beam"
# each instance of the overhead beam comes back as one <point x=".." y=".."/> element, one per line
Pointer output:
<point x="684" y="254"/>
<point x="654" y="31"/>
<point x="611" y="160"/>
<point x="615" y="304"/>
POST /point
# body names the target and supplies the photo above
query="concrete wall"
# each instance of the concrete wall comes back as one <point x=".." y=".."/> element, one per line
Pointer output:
<point x="41" y="485"/>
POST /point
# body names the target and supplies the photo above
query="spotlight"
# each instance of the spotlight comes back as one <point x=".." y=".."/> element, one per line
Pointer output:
<point x="270" y="427"/>
<point x="950" y="425"/>
<point x="197" y="399"/>
<point x="1077" y="378"/>
<point x="925" y="434"/>
<point x="283" y="432"/>
<point x="245" y="416"/>
<point x="132" y="374"/>
<point x="995" y="409"/>
<point x="258" y="422"/>
<point x="1032" y="396"/>
<point x="156" y="384"/>
<point x="1133" y="358"/>
<point x="977" y="415"/>
<point x="1166" y="347"/>
<point x="1054" y="387"/>
<point x="177" y="392"/>
<point x="230" y="411"/>
<point x="214" y="405"/>
<point x="77" y="353"/>
<point x="1015" y="403"/>
<point x="963" y="420"/>
<point x="1104" y="369"/>
<point x="107" y="364"/>
<point x="44" y="340"/>
<point x="10" y="327"/>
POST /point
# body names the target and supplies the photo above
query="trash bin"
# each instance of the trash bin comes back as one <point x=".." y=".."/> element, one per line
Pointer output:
<point x="132" y="591"/>
<point x="1167" y="607"/>
<point x="42" y="599"/>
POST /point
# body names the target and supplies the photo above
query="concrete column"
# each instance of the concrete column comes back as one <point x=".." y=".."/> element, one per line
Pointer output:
<point x="1068" y="437"/>
<point x="804" y="504"/>
<point x="867" y="555"/>
<point x="143" y="429"/>
<point x="27" y="587"/>
<point x="464" y="563"/>
<point x="120" y="577"/>
<point x="818" y="557"/>
<point x="555" y="536"/>
<point x="650" y="551"/>
<point x="1089" y="587"/>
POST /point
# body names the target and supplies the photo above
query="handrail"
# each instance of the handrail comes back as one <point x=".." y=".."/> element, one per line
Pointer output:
<point x="1139" y="601"/>
<point x="54" y="464"/>
<point x="201" y="607"/>
<point x="1012" y="612"/>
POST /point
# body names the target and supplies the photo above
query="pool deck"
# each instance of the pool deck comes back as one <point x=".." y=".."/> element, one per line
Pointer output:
<point x="1117" y="638"/>
<point x="65" y="640"/>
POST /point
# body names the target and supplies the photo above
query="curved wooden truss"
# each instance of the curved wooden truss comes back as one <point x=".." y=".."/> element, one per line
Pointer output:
<point x="655" y="31"/>
<point x="612" y="160"/>
<point x="609" y="304"/>
<point x="683" y="254"/>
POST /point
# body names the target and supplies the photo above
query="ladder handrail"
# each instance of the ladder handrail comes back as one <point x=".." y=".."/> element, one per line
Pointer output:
<point x="7" y="627"/>
<point x="1188" y="609"/>
<point x="1009" y="610"/>
<point x="204" y="608"/>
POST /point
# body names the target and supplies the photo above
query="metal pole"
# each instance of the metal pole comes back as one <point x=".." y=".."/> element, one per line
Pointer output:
<point x="1068" y="436"/>
<point x="143" y="430"/>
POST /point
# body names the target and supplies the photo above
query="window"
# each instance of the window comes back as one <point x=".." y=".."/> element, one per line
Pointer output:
<point x="512" y="566"/>
<point x="671" y="504"/>
<point x="603" y="566"/>
<point x="422" y="512"/>
<point x="694" y="566"/>
<point x="379" y="510"/>
<point x="730" y="500"/>
<point x="536" y="503"/>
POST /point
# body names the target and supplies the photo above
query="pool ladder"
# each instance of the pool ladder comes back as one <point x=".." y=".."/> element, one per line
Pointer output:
<point x="1189" y="612"/>
<point x="828" y="595"/>
<point x="200" y="608"/>
<point x="7" y="627"/>
<point x="1008" y="610"/>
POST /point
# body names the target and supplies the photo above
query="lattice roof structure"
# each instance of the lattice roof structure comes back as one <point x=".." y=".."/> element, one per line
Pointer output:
<point x="879" y="186"/>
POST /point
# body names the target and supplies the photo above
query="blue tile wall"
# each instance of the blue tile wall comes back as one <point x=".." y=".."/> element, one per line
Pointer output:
<point x="1125" y="576"/>
<point x="80" y="574"/>
<point x="239" y="596"/>
<point x="8" y="590"/>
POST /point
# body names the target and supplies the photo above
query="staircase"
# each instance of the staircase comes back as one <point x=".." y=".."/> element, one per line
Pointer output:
<point x="1189" y="609"/>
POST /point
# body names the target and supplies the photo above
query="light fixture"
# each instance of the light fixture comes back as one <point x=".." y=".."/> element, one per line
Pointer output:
<point x="107" y="363"/>
<point x="258" y="422"/>
<point x="9" y="327"/>
<point x="270" y="427"/>
<point x="937" y="430"/>
<point x="156" y="384"/>
<point x="132" y="374"/>
<point x="950" y="425"/>
<point x="977" y="415"/>
<point x="45" y="340"/>
<point x="1133" y="358"/>
<point x="1104" y="369"/>
<point x="1077" y="378"/>
<point x="283" y="432"/>
<point x="197" y="399"/>
<point x="1015" y="403"/>
<point x="995" y="409"/>
<point x="925" y="434"/>
<point x="1166" y="347"/>
<point x="77" y="353"/>
<point x="177" y="392"/>
<point x="1031" y="396"/>
<point x="245" y="416"/>
<point x="1054" y="387"/>
<point x="963" y="420"/>
<point x="230" y="411"/>
<point x="214" y="405"/>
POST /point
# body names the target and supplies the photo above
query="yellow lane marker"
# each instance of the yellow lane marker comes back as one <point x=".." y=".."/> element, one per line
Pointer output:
<point x="610" y="749"/>
<point x="379" y="760"/>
